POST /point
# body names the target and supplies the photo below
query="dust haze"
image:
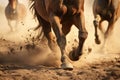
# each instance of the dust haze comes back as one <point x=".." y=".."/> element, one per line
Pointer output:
<point x="112" y="44"/>
<point x="17" y="47"/>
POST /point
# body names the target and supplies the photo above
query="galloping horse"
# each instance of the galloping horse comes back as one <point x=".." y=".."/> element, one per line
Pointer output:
<point x="60" y="15"/>
<point x="105" y="10"/>
<point x="14" y="11"/>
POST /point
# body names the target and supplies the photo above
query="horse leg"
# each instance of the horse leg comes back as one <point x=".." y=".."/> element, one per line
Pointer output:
<point x="16" y="24"/>
<point x="97" y="23"/>
<point x="9" y="23"/>
<point x="61" y="41"/>
<point x="50" y="37"/>
<point x="47" y="32"/>
<point x="80" y="24"/>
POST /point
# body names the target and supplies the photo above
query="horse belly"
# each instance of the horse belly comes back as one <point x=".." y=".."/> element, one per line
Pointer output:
<point x="41" y="9"/>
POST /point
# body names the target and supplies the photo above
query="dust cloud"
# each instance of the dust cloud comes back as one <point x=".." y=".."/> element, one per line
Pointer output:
<point x="22" y="57"/>
<point x="91" y="51"/>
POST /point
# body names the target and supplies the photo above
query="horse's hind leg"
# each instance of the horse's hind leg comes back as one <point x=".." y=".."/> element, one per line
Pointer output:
<point x="80" y="24"/>
<point x="50" y="37"/>
<point x="97" y="23"/>
<point x="48" y="33"/>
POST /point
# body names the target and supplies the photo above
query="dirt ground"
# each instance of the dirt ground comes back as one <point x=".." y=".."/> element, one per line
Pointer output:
<point x="24" y="58"/>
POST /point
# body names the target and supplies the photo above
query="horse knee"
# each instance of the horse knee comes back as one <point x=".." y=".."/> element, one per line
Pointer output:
<point x="83" y="35"/>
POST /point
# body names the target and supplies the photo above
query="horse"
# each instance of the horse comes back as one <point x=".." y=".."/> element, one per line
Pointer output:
<point x="105" y="10"/>
<point x="59" y="16"/>
<point x="15" y="11"/>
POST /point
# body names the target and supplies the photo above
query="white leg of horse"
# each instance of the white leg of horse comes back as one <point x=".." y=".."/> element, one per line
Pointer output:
<point x="16" y="25"/>
<point x="9" y="23"/>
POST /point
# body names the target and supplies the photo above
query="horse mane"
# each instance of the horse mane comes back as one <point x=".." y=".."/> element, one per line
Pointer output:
<point x="32" y="8"/>
<point x="31" y="4"/>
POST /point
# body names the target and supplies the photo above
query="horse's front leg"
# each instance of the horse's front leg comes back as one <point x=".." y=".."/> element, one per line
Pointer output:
<point x="82" y="35"/>
<point x="97" y="23"/>
<point x="61" y="41"/>
<point x="10" y="25"/>
<point x="16" y="24"/>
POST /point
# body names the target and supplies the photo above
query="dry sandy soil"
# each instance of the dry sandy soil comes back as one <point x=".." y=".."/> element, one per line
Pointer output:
<point x="24" y="58"/>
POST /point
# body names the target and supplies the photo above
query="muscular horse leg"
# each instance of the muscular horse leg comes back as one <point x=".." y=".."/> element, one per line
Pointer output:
<point x="80" y="24"/>
<point x="47" y="31"/>
<point x="49" y="35"/>
<point x="97" y="24"/>
<point x="61" y="41"/>
<point x="9" y="23"/>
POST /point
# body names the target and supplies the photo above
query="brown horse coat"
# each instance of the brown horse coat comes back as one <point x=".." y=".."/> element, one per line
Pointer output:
<point x="60" y="15"/>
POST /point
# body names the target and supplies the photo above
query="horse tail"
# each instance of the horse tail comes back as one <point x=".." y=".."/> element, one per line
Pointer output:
<point x="31" y="6"/>
<point x="35" y="14"/>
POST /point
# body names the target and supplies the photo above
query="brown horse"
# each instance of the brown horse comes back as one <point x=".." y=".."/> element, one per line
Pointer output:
<point x="105" y="10"/>
<point x="60" y="15"/>
<point x="14" y="11"/>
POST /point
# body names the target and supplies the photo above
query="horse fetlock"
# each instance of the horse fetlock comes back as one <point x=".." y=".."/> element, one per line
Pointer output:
<point x="96" y="36"/>
<point x="66" y="64"/>
<point x="64" y="58"/>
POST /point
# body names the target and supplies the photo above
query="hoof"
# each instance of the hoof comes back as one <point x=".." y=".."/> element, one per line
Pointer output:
<point x="97" y="41"/>
<point x="67" y="66"/>
<point x="73" y="57"/>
